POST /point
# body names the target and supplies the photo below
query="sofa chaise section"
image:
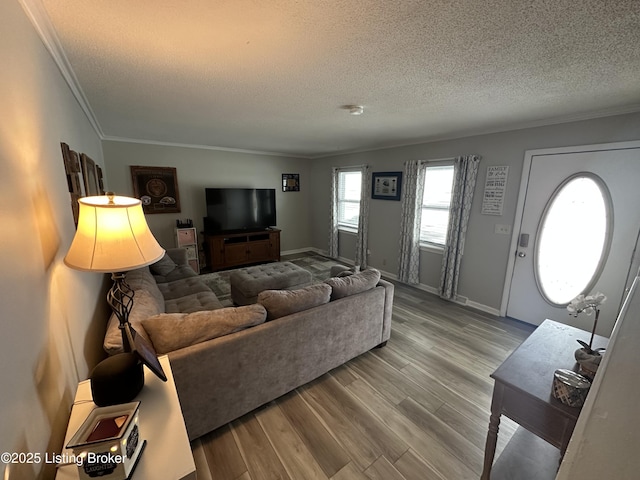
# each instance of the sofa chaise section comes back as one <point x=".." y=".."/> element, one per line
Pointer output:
<point x="227" y="377"/>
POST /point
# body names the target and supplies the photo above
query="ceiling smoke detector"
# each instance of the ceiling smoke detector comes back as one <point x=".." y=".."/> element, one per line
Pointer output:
<point x="355" y="109"/>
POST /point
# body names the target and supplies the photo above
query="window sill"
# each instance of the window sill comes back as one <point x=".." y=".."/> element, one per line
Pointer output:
<point x="427" y="247"/>
<point x="352" y="231"/>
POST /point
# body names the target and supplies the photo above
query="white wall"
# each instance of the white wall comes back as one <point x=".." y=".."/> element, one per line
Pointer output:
<point x="49" y="313"/>
<point x="198" y="168"/>
<point x="484" y="263"/>
<point x="605" y="441"/>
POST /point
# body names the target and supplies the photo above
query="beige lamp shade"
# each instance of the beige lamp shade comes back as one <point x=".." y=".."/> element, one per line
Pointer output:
<point x="112" y="236"/>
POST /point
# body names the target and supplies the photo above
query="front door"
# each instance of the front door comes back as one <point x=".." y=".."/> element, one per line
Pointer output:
<point x="580" y="218"/>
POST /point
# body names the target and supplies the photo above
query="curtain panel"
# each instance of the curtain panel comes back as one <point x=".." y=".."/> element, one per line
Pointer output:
<point x="362" y="241"/>
<point x="464" y="183"/>
<point x="410" y="219"/>
<point x="333" y="228"/>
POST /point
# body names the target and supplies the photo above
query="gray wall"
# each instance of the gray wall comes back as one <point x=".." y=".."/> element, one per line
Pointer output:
<point x="198" y="168"/>
<point x="486" y="254"/>
<point x="51" y="317"/>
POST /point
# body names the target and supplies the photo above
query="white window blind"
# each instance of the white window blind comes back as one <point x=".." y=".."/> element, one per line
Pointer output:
<point x="349" y="191"/>
<point x="436" y="202"/>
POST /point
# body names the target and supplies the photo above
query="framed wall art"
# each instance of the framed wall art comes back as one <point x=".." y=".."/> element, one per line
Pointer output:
<point x="100" y="180"/>
<point x="386" y="185"/>
<point x="157" y="188"/>
<point x="89" y="175"/>
<point x="73" y="172"/>
<point x="290" y="182"/>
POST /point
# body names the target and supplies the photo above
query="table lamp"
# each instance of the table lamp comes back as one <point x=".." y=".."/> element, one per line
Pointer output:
<point x="113" y="237"/>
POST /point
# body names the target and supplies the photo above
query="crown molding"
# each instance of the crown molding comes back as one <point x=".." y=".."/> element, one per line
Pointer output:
<point x="580" y="117"/>
<point x="201" y="147"/>
<point x="609" y="112"/>
<point x="40" y="19"/>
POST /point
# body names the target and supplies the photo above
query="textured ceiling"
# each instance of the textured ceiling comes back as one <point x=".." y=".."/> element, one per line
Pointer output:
<point x="272" y="75"/>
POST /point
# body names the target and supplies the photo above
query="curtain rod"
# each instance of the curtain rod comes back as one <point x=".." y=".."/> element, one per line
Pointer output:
<point x="351" y="167"/>
<point x="447" y="159"/>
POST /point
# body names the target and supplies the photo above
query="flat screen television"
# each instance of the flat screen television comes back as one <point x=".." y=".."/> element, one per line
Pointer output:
<point x="237" y="209"/>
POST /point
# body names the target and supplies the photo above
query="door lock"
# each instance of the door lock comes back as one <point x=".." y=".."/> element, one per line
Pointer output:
<point x="522" y="254"/>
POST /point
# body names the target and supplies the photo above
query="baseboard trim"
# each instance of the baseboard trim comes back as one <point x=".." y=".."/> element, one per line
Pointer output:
<point x="460" y="300"/>
<point x="302" y="250"/>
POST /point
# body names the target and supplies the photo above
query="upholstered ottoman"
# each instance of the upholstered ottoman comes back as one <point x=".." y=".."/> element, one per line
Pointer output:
<point x="247" y="283"/>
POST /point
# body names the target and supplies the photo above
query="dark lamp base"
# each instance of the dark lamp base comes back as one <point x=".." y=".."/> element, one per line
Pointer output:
<point x="117" y="379"/>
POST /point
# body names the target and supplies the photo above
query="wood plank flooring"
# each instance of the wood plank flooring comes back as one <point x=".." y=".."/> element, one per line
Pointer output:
<point x="415" y="409"/>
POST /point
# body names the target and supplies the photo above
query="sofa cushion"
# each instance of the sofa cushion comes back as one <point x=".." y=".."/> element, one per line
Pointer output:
<point x="178" y="273"/>
<point x="193" y="303"/>
<point x="352" y="284"/>
<point x="339" y="270"/>
<point x="345" y="273"/>
<point x="173" y="331"/>
<point x="280" y="303"/>
<point x="144" y="305"/>
<point x="142" y="279"/>
<point x="183" y="288"/>
<point x="164" y="266"/>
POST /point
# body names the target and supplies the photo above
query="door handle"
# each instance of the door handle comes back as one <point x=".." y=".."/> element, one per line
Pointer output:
<point x="522" y="254"/>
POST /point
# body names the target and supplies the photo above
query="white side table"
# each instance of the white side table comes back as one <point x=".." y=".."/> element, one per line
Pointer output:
<point x="168" y="452"/>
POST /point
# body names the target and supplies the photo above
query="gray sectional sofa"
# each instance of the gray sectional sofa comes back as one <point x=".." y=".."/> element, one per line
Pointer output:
<point x="228" y="361"/>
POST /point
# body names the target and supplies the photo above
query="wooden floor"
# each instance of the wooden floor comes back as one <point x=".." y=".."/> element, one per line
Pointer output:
<point x="415" y="409"/>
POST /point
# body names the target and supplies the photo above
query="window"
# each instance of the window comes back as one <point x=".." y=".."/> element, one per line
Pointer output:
<point x="349" y="187"/>
<point x="436" y="200"/>
<point x="569" y="259"/>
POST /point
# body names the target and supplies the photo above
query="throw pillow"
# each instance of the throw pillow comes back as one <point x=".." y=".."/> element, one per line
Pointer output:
<point x="352" y="284"/>
<point x="164" y="266"/>
<point x="172" y="331"/>
<point x="280" y="303"/>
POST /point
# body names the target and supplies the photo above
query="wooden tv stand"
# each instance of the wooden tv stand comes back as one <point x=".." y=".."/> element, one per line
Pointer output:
<point x="227" y="250"/>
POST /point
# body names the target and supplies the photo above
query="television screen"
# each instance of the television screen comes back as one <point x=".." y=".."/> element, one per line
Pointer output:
<point x="231" y="209"/>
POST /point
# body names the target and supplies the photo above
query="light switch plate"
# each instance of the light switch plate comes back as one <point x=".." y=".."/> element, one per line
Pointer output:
<point x="502" y="229"/>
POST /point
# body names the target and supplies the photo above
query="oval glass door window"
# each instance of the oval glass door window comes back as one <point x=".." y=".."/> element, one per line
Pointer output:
<point x="573" y="238"/>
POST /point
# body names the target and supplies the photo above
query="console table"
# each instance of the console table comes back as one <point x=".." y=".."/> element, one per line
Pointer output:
<point x="523" y="385"/>
<point x="168" y="452"/>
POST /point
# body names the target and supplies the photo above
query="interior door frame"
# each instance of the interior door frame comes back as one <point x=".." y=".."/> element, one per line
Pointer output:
<point x="529" y="155"/>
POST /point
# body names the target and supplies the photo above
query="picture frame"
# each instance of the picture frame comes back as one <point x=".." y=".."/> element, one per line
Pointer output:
<point x="73" y="171"/>
<point x="386" y="185"/>
<point x="157" y="188"/>
<point x="290" y="182"/>
<point x="89" y="175"/>
<point x="100" y="178"/>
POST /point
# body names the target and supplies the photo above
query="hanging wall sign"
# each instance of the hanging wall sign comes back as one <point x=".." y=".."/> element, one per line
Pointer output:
<point x="495" y="186"/>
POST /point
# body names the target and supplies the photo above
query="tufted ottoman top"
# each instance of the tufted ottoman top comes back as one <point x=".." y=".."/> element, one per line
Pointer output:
<point x="246" y="283"/>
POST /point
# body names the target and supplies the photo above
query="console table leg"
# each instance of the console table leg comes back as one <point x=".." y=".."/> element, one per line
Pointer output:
<point x="565" y="443"/>
<point x="492" y="434"/>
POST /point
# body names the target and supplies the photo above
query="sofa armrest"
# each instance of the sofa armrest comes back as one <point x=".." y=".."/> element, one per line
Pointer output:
<point x="178" y="255"/>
